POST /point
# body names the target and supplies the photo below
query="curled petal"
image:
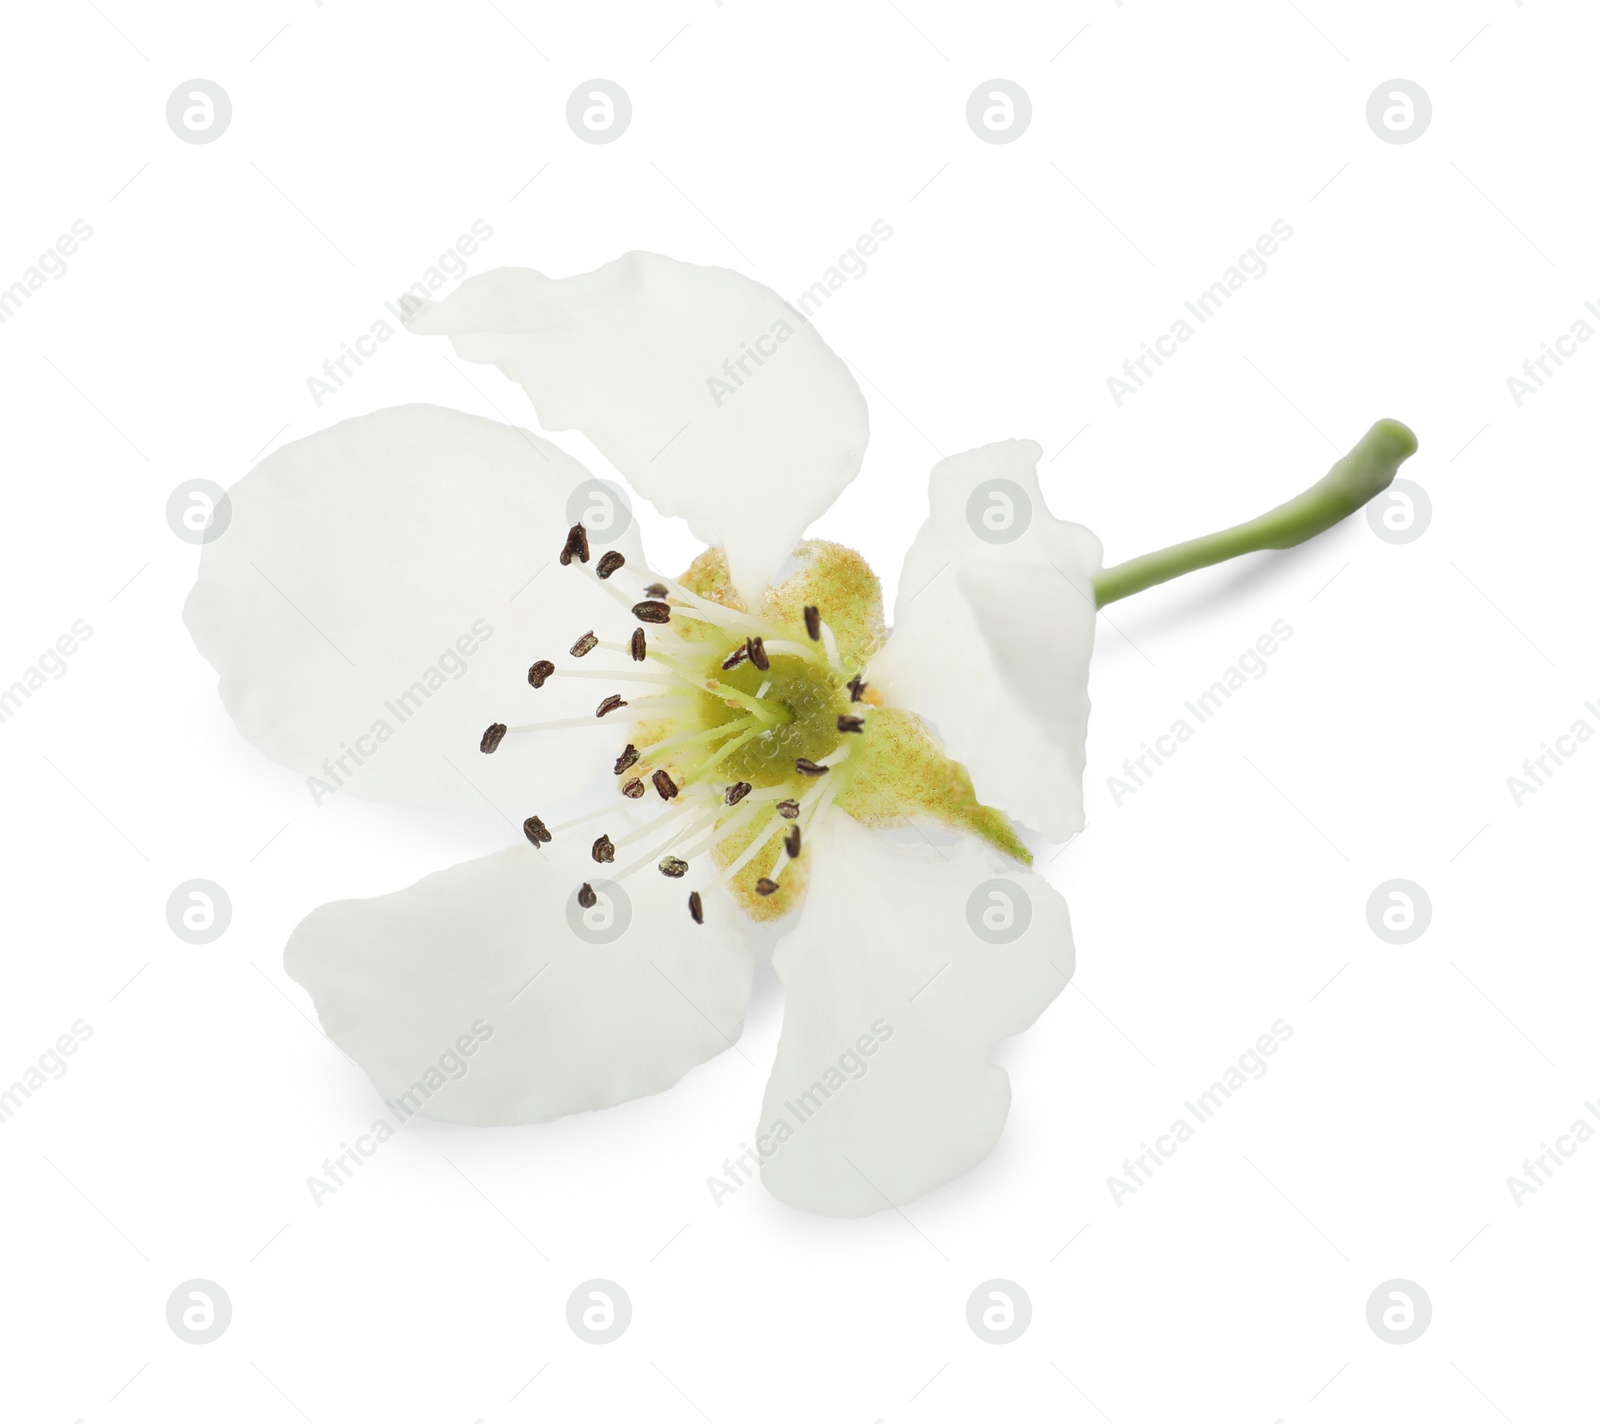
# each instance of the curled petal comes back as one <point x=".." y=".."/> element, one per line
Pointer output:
<point x="711" y="394"/>
<point x="994" y="625"/>
<point x="909" y="964"/>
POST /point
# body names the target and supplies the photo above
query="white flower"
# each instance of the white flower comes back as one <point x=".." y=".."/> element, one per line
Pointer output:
<point x="390" y="586"/>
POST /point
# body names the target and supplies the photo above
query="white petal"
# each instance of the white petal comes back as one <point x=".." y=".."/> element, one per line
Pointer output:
<point x="370" y="600"/>
<point x="561" y="1024"/>
<point x="643" y="356"/>
<point x="893" y="1001"/>
<point x="991" y="640"/>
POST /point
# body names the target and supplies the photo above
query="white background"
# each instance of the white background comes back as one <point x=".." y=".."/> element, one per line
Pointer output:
<point x="1228" y="892"/>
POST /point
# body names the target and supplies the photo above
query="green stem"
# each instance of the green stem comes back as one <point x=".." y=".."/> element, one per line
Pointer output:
<point x="1363" y="473"/>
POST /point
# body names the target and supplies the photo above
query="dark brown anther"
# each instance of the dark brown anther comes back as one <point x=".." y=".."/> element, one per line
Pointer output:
<point x="610" y="562"/>
<point x="758" y="653"/>
<point x="630" y="754"/>
<point x="652" y="611"/>
<point x="849" y="724"/>
<point x="586" y="895"/>
<point x="493" y="735"/>
<point x="534" y="829"/>
<point x="791" y="842"/>
<point x="673" y="868"/>
<point x="857" y="687"/>
<point x="539" y="672"/>
<point x="737" y="792"/>
<point x="788" y="809"/>
<point x="610" y="704"/>
<point x="604" y="852"/>
<point x="636" y="645"/>
<point x="665" y="786"/>
<point x="813" y="622"/>
<point x="577" y="545"/>
<point x="696" y="909"/>
<point x="585" y="645"/>
<point x="766" y="887"/>
<point x="737" y="656"/>
<point x="634" y="789"/>
<point x="657" y="590"/>
<point x="806" y="767"/>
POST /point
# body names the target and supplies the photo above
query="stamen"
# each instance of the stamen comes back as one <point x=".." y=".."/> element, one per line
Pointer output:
<point x="673" y="868"/>
<point x="788" y="809"/>
<point x="539" y="672"/>
<point x="657" y="590"/>
<point x="630" y="754"/>
<point x="696" y="908"/>
<point x="604" y="852"/>
<point x="610" y="705"/>
<point x="610" y="562"/>
<point x="737" y="656"/>
<point x="737" y="792"/>
<point x="655" y="750"/>
<point x="652" y="611"/>
<point x="857" y="687"/>
<point x="791" y="842"/>
<point x="534" y="829"/>
<point x="493" y="735"/>
<point x="758" y="652"/>
<point x="585" y="645"/>
<point x="586" y="895"/>
<point x="636" y="645"/>
<point x="850" y="724"/>
<point x="807" y="767"/>
<point x="634" y="789"/>
<point x="577" y="543"/>
<point x="766" y="887"/>
<point x="814" y="622"/>
<point x="665" y="786"/>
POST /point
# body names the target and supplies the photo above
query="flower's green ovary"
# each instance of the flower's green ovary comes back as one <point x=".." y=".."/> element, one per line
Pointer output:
<point x="811" y="702"/>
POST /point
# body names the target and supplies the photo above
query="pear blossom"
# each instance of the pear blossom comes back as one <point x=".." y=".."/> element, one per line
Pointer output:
<point x="740" y="762"/>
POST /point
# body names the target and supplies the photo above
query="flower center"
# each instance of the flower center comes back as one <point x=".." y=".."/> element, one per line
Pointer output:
<point x="745" y="737"/>
<point x="806" y="699"/>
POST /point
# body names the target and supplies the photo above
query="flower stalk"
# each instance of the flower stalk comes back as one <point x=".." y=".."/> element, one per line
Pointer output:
<point x="1365" y="472"/>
